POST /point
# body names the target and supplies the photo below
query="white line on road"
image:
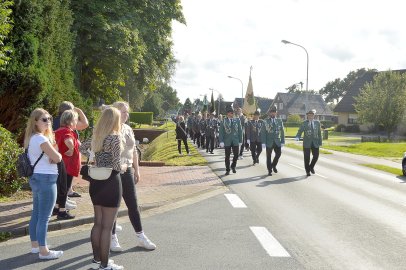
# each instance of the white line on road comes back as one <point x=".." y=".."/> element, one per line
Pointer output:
<point x="302" y="168"/>
<point x="269" y="243"/>
<point x="235" y="201"/>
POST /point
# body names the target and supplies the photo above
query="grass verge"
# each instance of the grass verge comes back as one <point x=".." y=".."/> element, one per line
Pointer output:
<point x="390" y="150"/>
<point x="165" y="148"/>
<point x="384" y="168"/>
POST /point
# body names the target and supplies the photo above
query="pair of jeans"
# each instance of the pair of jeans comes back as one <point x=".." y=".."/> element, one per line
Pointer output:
<point x="43" y="188"/>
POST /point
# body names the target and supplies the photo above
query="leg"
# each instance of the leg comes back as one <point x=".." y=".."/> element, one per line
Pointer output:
<point x="269" y="159"/>
<point x="34" y="184"/>
<point x="306" y="154"/>
<point x="227" y="150"/>
<point x="109" y="215"/>
<point x="242" y="145"/>
<point x="278" y="152"/>
<point x="235" y="157"/>
<point x="315" y="153"/>
<point x="258" y="150"/>
<point x="96" y="232"/>
<point x="253" y="154"/>
<point x="179" y="146"/>
<point x="62" y="186"/>
<point x="211" y="144"/>
<point x="186" y="145"/>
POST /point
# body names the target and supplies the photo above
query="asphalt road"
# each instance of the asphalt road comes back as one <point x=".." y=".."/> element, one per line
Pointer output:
<point x="346" y="216"/>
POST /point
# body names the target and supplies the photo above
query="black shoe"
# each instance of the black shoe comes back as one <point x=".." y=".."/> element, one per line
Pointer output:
<point x="308" y="174"/>
<point x="270" y="173"/>
<point x="257" y="160"/>
<point x="254" y="162"/>
<point x="274" y="169"/>
<point x="55" y="211"/>
<point x="227" y="172"/>
<point x="312" y="171"/>
<point x="64" y="215"/>
<point x="211" y="152"/>
<point x="233" y="169"/>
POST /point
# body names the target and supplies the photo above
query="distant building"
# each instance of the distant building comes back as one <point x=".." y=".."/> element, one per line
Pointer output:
<point x="299" y="103"/>
<point x="262" y="103"/>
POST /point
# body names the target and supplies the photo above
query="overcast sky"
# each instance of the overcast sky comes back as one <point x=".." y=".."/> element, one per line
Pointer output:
<point x="226" y="37"/>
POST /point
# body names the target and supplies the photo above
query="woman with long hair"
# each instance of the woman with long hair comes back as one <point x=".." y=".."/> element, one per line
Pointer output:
<point x="39" y="140"/>
<point x="129" y="178"/>
<point x="105" y="194"/>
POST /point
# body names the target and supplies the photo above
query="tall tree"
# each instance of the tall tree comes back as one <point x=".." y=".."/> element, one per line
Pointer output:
<point x="5" y="28"/>
<point x="382" y="102"/>
<point x="212" y="105"/>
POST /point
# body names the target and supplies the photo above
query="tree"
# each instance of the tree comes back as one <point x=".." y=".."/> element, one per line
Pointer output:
<point x="294" y="118"/>
<point x="336" y="89"/>
<point x="5" y="28"/>
<point x="382" y="102"/>
<point x="153" y="103"/>
<point x="212" y="105"/>
<point x="187" y="106"/>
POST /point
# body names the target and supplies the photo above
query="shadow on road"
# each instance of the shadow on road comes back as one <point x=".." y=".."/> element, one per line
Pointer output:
<point x="282" y="181"/>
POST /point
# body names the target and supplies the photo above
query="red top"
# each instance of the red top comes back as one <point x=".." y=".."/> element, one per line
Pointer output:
<point x="72" y="163"/>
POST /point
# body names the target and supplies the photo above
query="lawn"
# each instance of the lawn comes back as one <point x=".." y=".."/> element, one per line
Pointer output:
<point x="165" y="148"/>
<point x="390" y="150"/>
<point x="384" y="168"/>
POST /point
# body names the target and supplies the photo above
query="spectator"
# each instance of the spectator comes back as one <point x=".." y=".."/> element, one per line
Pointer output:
<point x="105" y="194"/>
<point x="68" y="146"/>
<point x="129" y="178"/>
<point x="39" y="141"/>
<point x="181" y="135"/>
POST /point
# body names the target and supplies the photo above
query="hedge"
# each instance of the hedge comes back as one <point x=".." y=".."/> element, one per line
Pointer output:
<point x="142" y="117"/>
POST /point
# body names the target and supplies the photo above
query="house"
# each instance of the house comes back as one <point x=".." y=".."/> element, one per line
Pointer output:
<point x="345" y="109"/>
<point x="299" y="103"/>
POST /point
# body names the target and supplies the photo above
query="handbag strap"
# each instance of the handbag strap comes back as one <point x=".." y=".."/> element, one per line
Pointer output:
<point x="35" y="164"/>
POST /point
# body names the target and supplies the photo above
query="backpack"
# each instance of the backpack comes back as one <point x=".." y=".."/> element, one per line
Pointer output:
<point x="24" y="168"/>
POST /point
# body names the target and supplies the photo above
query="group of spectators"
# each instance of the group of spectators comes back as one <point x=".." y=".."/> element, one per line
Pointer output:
<point x="59" y="161"/>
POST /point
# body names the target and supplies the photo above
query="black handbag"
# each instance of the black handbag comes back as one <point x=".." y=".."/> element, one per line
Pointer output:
<point x="84" y="172"/>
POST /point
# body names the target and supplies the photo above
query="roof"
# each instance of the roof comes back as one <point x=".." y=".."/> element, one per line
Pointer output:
<point x="294" y="103"/>
<point x="346" y="104"/>
<point x="263" y="103"/>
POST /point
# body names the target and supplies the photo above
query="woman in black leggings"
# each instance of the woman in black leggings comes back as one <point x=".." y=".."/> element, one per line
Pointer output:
<point x="129" y="177"/>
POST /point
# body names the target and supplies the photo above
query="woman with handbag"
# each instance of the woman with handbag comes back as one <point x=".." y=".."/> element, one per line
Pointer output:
<point x="39" y="140"/>
<point x="105" y="191"/>
<point x="129" y="178"/>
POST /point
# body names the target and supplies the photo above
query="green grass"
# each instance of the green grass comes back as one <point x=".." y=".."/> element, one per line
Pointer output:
<point x="4" y="236"/>
<point x="393" y="150"/>
<point x="166" y="150"/>
<point x="384" y="168"/>
<point x="299" y="146"/>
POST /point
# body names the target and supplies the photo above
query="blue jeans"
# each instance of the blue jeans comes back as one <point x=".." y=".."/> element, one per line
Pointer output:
<point x="43" y="188"/>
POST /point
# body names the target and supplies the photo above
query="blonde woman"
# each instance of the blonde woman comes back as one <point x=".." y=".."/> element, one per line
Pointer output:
<point x="39" y="141"/>
<point x="129" y="177"/>
<point x="105" y="194"/>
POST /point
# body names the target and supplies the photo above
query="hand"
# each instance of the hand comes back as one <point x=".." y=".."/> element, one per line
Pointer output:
<point x="249" y="141"/>
<point x="282" y="145"/>
<point x="221" y="145"/>
<point x="263" y="146"/>
<point x="136" y="177"/>
<point x="124" y="168"/>
<point x="296" y="138"/>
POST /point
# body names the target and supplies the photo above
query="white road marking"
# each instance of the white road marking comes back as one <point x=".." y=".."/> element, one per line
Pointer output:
<point x="269" y="243"/>
<point x="302" y="168"/>
<point x="235" y="201"/>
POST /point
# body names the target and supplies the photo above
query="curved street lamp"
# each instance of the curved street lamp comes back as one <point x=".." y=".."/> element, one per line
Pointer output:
<point x="242" y="89"/>
<point x="307" y="55"/>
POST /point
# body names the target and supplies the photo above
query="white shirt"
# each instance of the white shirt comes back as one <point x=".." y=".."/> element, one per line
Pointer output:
<point x="128" y="142"/>
<point x="34" y="151"/>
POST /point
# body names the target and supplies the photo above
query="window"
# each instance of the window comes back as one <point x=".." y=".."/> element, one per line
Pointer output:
<point x="352" y="119"/>
<point x="280" y="105"/>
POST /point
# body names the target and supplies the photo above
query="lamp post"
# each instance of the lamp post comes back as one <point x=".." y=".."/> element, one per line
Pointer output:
<point x="219" y="99"/>
<point x="242" y="90"/>
<point x="307" y="55"/>
<point x="307" y="71"/>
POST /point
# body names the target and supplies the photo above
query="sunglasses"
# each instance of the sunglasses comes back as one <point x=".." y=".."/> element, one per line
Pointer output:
<point x="46" y="119"/>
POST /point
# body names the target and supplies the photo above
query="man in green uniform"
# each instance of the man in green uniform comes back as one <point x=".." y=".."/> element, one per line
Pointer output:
<point x="312" y="140"/>
<point x="273" y="138"/>
<point x="230" y="137"/>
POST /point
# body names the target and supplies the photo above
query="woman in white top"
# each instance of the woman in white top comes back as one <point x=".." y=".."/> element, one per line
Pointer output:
<point x="130" y="175"/>
<point x="40" y="139"/>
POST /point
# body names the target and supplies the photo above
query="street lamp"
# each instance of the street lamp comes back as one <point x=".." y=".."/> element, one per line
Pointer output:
<point x="242" y="90"/>
<point x="307" y="67"/>
<point x="219" y="99"/>
<point x="307" y="55"/>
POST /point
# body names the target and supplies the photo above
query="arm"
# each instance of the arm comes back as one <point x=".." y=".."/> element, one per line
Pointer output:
<point x="282" y="133"/>
<point x="136" y="166"/>
<point x="69" y="143"/>
<point x="51" y="152"/>
<point x="116" y="153"/>
<point x="300" y="131"/>
<point x="82" y="121"/>
<point x="320" y="137"/>
<point x="221" y="133"/>
<point x="239" y="132"/>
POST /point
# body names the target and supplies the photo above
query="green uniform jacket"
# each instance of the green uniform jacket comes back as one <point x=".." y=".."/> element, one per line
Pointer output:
<point x="273" y="132"/>
<point x="230" y="132"/>
<point x="310" y="136"/>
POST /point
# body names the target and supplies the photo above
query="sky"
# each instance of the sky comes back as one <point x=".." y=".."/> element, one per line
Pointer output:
<point x="224" y="38"/>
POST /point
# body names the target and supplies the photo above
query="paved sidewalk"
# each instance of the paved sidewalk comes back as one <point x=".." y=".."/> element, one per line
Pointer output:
<point x="158" y="186"/>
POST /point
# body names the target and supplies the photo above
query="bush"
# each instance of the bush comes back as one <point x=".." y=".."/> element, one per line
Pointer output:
<point x="9" y="151"/>
<point x="327" y="124"/>
<point x="340" y="128"/>
<point x="142" y="117"/>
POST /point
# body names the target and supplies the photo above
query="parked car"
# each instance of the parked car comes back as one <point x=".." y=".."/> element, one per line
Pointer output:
<point x="404" y="164"/>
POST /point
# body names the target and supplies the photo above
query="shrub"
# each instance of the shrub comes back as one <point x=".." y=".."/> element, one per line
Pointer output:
<point x="9" y="151"/>
<point x="340" y="128"/>
<point x="327" y="123"/>
<point x="294" y="118"/>
<point x="142" y="117"/>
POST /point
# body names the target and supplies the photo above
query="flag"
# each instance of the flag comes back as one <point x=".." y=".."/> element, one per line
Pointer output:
<point x="212" y="107"/>
<point x="249" y="100"/>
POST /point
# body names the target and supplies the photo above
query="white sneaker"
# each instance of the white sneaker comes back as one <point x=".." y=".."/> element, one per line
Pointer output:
<point x="144" y="242"/>
<point x="53" y="254"/>
<point x="71" y="201"/>
<point x="96" y="264"/>
<point x="35" y="250"/>
<point x="112" y="266"/>
<point x="69" y="206"/>
<point x="115" y="245"/>
<point x="119" y="228"/>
